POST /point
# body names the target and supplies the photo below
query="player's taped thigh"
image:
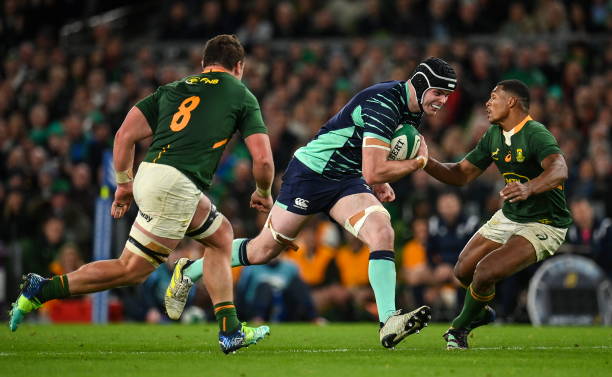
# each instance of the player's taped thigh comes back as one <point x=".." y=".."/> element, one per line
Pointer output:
<point x="209" y="226"/>
<point x="354" y="223"/>
<point x="143" y="245"/>
<point x="281" y="239"/>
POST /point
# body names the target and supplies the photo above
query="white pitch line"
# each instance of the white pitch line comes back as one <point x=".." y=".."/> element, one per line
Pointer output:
<point x="281" y="351"/>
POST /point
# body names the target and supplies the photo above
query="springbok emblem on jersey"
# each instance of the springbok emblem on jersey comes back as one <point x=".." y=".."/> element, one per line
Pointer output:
<point x="519" y="155"/>
<point x="495" y="155"/>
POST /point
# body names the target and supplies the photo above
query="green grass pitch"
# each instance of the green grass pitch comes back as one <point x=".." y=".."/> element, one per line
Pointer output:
<point x="296" y="350"/>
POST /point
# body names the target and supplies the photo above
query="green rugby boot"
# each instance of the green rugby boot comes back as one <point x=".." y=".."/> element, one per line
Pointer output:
<point x="243" y="337"/>
<point x="27" y="301"/>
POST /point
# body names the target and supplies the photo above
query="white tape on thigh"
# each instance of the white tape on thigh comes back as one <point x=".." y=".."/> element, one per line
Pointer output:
<point x="140" y="243"/>
<point x="354" y="223"/>
<point x="281" y="238"/>
<point x="209" y="226"/>
<point x="211" y="229"/>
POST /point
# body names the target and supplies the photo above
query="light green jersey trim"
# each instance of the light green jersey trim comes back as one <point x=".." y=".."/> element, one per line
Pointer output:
<point x="356" y="115"/>
<point x="280" y="205"/>
<point x="318" y="152"/>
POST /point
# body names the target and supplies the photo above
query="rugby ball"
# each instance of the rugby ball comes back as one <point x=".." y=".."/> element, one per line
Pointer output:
<point x="405" y="143"/>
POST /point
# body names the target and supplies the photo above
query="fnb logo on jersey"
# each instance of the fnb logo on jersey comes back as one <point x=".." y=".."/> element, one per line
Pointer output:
<point x="301" y="203"/>
<point x="205" y="80"/>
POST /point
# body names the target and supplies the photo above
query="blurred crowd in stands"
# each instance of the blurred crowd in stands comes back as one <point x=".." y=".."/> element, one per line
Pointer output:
<point x="60" y="106"/>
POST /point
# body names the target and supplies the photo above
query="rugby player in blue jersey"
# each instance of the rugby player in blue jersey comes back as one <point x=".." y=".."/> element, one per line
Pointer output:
<point x="344" y="172"/>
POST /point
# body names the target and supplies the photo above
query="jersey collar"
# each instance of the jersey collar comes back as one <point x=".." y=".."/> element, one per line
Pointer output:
<point x="515" y="129"/>
<point x="520" y="126"/>
<point x="408" y="100"/>
<point x="209" y="70"/>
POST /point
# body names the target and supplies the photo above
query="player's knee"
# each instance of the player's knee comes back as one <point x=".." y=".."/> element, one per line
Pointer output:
<point x="485" y="274"/>
<point x="462" y="272"/>
<point x="380" y="235"/>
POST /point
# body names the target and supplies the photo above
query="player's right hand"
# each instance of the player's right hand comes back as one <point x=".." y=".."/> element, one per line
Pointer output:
<point x="123" y="200"/>
<point x="423" y="150"/>
<point x="261" y="203"/>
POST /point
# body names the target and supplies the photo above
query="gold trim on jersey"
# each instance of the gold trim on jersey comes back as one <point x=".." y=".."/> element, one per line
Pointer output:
<point x="220" y="143"/>
<point x="164" y="149"/>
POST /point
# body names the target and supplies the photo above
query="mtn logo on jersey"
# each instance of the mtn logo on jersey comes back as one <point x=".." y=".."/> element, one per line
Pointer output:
<point x="542" y="237"/>
<point x="301" y="203"/>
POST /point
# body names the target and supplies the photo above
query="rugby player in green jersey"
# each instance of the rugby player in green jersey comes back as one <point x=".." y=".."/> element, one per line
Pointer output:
<point x="344" y="172"/>
<point x="190" y="122"/>
<point x="534" y="218"/>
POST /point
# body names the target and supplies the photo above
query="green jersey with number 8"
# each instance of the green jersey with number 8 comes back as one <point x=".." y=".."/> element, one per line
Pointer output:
<point x="193" y="119"/>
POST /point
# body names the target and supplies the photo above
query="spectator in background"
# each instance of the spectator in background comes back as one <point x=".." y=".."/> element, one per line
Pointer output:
<point x="590" y="234"/>
<point x="415" y="269"/>
<point x="315" y="261"/>
<point x="274" y="292"/>
<point x="351" y="260"/>
<point x="449" y="231"/>
<point x="519" y="22"/>
<point x="39" y="252"/>
<point x="67" y="260"/>
<point x="176" y="24"/>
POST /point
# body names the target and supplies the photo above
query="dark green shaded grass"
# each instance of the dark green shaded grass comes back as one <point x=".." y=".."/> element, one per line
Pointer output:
<point x="295" y="350"/>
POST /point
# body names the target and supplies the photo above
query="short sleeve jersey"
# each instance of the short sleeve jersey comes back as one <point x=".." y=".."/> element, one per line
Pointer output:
<point x="194" y="118"/>
<point x="377" y="111"/>
<point x="518" y="155"/>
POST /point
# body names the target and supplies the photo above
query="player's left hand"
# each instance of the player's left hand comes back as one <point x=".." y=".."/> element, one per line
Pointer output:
<point x="515" y="192"/>
<point x="261" y="203"/>
<point x="384" y="192"/>
<point x="123" y="200"/>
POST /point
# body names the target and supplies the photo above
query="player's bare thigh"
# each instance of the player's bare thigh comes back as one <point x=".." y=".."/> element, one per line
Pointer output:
<point x="475" y="250"/>
<point x="515" y="255"/>
<point x="376" y="230"/>
<point x="285" y="224"/>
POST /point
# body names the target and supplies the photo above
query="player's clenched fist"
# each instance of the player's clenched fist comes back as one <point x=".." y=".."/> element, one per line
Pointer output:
<point x="515" y="192"/>
<point x="261" y="203"/>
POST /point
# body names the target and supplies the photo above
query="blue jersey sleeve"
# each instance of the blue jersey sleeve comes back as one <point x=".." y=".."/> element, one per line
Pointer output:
<point x="381" y="116"/>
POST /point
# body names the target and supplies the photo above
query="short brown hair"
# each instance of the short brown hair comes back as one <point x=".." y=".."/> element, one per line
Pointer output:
<point x="224" y="50"/>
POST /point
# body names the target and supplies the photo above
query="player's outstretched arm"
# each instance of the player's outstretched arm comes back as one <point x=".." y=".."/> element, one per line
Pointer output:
<point x="554" y="174"/>
<point x="453" y="173"/>
<point x="133" y="129"/>
<point x="263" y="170"/>
<point x="377" y="169"/>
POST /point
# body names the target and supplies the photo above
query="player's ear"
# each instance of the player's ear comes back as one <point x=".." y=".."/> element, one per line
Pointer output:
<point x="239" y="69"/>
<point x="512" y="101"/>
